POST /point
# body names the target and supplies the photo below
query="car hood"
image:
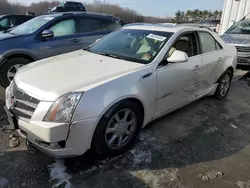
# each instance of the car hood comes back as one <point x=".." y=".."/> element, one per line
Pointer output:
<point x="4" y="36"/>
<point x="236" y="38"/>
<point x="50" y="78"/>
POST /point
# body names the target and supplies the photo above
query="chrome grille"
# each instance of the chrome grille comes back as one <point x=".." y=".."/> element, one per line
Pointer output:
<point x="242" y="61"/>
<point x="25" y="105"/>
<point x="242" y="49"/>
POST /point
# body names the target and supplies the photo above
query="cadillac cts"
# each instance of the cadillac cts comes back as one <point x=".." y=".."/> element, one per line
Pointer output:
<point x="100" y="98"/>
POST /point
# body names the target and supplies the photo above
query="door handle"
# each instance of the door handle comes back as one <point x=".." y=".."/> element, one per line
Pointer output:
<point x="75" y="40"/>
<point x="146" y="75"/>
<point x="197" y="67"/>
<point x="219" y="59"/>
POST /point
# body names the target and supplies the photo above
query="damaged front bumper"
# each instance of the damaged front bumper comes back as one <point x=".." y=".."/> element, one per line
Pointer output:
<point x="59" y="140"/>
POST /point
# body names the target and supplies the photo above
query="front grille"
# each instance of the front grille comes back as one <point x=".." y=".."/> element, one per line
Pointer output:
<point x="242" y="49"/>
<point x="242" y="61"/>
<point x="25" y="105"/>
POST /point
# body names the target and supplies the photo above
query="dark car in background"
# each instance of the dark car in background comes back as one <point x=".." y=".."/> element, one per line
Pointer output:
<point x="69" y="6"/>
<point x="9" y="21"/>
<point x="49" y="35"/>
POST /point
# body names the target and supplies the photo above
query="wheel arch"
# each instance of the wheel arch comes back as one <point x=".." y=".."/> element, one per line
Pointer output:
<point x="24" y="55"/>
<point x="113" y="106"/>
<point x="229" y="68"/>
<point x="129" y="99"/>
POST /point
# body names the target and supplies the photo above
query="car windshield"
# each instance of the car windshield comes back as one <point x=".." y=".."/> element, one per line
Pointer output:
<point x="32" y="25"/>
<point x="242" y="27"/>
<point x="140" y="46"/>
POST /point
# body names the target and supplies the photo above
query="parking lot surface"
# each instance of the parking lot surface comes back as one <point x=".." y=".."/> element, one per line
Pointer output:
<point x="205" y="144"/>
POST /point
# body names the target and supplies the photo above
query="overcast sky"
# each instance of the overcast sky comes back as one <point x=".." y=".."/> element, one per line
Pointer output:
<point x="157" y="7"/>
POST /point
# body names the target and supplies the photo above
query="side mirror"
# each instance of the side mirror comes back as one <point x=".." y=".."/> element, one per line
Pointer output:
<point x="46" y="34"/>
<point x="178" y="57"/>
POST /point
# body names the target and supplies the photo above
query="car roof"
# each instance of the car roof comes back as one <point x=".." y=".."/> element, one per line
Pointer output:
<point x="160" y="27"/>
<point x="196" y="25"/>
<point x="93" y="14"/>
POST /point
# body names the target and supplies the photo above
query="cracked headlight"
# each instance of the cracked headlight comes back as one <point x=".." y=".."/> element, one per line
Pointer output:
<point x="63" y="108"/>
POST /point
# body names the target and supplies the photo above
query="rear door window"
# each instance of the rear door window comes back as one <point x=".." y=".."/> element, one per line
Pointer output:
<point x="208" y="42"/>
<point x="79" y="6"/>
<point x="90" y="25"/>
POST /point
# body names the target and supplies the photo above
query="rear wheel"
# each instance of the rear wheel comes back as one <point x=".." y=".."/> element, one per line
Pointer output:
<point x="117" y="130"/>
<point x="224" y="84"/>
<point x="9" y="69"/>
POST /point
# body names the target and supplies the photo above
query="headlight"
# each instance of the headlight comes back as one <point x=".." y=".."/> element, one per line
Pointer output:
<point x="9" y="94"/>
<point x="63" y="109"/>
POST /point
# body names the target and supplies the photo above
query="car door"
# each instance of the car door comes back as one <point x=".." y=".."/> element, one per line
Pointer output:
<point x="65" y="39"/>
<point x="213" y="56"/>
<point x="177" y="82"/>
<point x="90" y="29"/>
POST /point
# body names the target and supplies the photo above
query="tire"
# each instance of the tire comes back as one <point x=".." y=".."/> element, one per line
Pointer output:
<point x="11" y="66"/>
<point x="109" y="123"/>
<point x="224" y="84"/>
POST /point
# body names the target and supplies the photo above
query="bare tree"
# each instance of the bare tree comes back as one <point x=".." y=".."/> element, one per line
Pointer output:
<point x="127" y="15"/>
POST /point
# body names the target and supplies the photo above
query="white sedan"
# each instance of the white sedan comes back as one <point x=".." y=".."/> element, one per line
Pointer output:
<point x="100" y="98"/>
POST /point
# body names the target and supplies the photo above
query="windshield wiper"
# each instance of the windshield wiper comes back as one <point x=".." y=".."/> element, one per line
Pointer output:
<point x="9" y="31"/>
<point x="87" y="48"/>
<point x="109" y="55"/>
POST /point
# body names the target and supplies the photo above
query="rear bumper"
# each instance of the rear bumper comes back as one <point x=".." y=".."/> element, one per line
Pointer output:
<point x="58" y="140"/>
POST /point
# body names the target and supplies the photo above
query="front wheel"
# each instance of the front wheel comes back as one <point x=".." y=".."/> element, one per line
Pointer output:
<point x="117" y="130"/>
<point x="9" y="69"/>
<point x="224" y="84"/>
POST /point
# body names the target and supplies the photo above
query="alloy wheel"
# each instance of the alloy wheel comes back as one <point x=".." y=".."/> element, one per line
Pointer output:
<point x="225" y="84"/>
<point x="120" y="129"/>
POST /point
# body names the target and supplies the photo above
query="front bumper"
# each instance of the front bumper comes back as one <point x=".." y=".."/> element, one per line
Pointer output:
<point x="243" y="58"/>
<point x="57" y="140"/>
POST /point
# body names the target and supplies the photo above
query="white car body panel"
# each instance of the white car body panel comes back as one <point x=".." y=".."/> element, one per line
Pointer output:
<point x="105" y="81"/>
<point x="93" y="69"/>
<point x="175" y="83"/>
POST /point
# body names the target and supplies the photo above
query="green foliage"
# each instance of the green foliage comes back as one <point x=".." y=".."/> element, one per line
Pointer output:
<point x="127" y="15"/>
<point x="196" y="15"/>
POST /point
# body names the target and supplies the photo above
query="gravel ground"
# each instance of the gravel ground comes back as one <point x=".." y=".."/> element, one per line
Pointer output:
<point x="205" y="144"/>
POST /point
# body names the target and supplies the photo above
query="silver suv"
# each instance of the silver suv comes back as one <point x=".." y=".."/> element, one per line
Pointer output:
<point x="239" y="36"/>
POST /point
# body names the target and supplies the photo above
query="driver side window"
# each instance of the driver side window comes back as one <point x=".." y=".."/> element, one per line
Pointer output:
<point x="186" y="43"/>
<point x="64" y="28"/>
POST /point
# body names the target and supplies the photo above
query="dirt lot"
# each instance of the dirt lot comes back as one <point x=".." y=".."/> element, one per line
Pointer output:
<point x="205" y="144"/>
